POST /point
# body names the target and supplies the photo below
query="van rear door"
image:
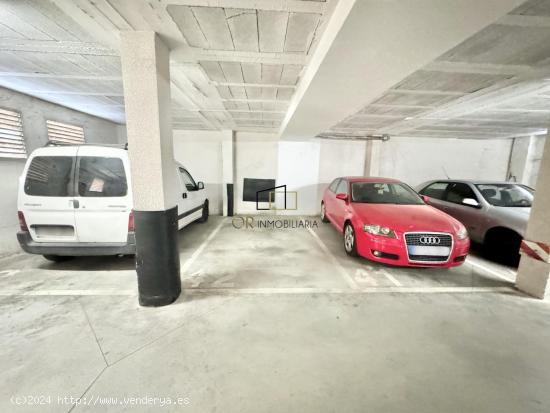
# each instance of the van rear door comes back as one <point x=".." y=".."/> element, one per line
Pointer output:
<point x="46" y="198"/>
<point x="103" y="193"/>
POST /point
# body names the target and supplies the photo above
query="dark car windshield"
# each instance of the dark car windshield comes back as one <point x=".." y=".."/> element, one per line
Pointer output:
<point x="506" y="195"/>
<point x="384" y="193"/>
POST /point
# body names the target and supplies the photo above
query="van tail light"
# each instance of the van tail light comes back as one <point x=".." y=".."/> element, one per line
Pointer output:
<point x="22" y="222"/>
<point x="131" y="222"/>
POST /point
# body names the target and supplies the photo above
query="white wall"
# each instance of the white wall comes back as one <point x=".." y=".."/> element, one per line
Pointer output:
<point x="416" y="160"/>
<point x="256" y="156"/>
<point x="201" y="153"/>
<point x="298" y="168"/>
<point x="34" y="113"/>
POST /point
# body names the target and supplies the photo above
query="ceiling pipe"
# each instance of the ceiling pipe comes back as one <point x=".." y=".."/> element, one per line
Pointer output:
<point x="345" y="136"/>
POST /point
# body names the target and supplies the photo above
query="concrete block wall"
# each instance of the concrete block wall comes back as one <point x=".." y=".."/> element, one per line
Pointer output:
<point x="34" y="113"/>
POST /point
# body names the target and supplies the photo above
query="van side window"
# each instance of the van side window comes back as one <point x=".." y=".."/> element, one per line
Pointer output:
<point x="188" y="180"/>
<point x="435" y="190"/>
<point x="333" y="185"/>
<point x="101" y="177"/>
<point x="50" y="176"/>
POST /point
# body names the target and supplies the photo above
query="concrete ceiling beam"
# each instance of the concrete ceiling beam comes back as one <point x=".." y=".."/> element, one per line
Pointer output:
<point x="58" y="76"/>
<point x="296" y="6"/>
<point x="369" y="46"/>
<point x="53" y="46"/>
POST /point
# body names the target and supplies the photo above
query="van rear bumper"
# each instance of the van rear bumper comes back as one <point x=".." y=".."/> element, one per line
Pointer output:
<point x="76" y="248"/>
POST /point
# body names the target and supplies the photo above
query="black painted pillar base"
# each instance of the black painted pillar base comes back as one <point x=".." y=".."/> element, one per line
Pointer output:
<point x="229" y="200"/>
<point x="157" y="257"/>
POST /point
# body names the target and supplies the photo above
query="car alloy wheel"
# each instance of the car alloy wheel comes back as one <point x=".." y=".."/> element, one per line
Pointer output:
<point x="349" y="240"/>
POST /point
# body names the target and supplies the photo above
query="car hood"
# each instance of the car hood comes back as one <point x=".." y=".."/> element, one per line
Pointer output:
<point x="406" y="218"/>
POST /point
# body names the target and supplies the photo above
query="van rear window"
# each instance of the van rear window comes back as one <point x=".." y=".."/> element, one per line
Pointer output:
<point x="101" y="177"/>
<point x="49" y="176"/>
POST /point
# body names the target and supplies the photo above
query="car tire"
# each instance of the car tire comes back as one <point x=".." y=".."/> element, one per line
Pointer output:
<point x="350" y="242"/>
<point x="57" y="258"/>
<point x="503" y="247"/>
<point x="205" y="212"/>
<point x="323" y="213"/>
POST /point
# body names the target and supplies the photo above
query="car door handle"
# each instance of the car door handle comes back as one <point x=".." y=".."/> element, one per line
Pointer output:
<point x="184" y="195"/>
<point x="75" y="203"/>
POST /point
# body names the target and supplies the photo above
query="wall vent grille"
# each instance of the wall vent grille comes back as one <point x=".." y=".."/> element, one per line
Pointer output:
<point x="65" y="134"/>
<point x="12" y="142"/>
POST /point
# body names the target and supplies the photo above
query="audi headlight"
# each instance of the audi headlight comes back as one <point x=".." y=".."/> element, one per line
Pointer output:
<point x="462" y="233"/>
<point x="379" y="230"/>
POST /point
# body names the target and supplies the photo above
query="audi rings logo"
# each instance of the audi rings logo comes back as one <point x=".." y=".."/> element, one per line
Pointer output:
<point x="430" y="240"/>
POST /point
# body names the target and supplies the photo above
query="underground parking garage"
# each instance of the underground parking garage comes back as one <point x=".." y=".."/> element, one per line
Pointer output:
<point x="275" y="205"/>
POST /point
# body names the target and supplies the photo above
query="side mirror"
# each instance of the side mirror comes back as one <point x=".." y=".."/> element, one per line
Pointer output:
<point x="425" y="198"/>
<point x="470" y="202"/>
<point x="200" y="185"/>
<point x="343" y="197"/>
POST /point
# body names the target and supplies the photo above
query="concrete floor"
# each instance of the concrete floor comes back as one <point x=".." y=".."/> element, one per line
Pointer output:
<point x="271" y="321"/>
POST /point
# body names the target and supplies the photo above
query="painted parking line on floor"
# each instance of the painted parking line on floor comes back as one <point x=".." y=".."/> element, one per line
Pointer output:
<point x="201" y="248"/>
<point x="272" y="290"/>
<point x="503" y="275"/>
<point x="369" y="290"/>
<point x="124" y="293"/>
<point x="347" y="278"/>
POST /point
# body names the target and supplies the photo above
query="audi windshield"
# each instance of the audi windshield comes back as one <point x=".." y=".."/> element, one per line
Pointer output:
<point x="384" y="193"/>
<point x="506" y="195"/>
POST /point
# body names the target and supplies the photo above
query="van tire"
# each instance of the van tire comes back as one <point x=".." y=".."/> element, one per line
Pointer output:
<point x="205" y="212"/>
<point x="57" y="258"/>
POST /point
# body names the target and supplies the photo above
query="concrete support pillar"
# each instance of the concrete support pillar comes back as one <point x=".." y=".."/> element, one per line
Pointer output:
<point x="146" y="77"/>
<point x="228" y="173"/>
<point x="533" y="274"/>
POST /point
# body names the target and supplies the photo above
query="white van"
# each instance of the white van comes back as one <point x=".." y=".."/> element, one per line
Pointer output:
<point x="77" y="200"/>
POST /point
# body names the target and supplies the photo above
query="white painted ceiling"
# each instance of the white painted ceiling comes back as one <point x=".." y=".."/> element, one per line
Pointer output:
<point x="495" y="84"/>
<point x="235" y="64"/>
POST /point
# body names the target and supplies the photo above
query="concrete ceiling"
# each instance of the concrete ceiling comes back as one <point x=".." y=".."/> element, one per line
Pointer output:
<point x="471" y="69"/>
<point x="494" y="84"/>
<point x="235" y="64"/>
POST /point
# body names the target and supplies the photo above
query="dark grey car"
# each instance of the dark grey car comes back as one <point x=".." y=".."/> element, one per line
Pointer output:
<point x="494" y="213"/>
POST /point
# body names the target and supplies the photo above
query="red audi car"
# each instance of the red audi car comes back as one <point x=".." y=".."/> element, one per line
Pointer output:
<point x="387" y="221"/>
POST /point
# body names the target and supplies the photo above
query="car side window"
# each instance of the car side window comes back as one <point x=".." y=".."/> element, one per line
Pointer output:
<point x="457" y="192"/>
<point x="332" y="187"/>
<point x="435" y="190"/>
<point x="342" y="187"/>
<point x="188" y="180"/>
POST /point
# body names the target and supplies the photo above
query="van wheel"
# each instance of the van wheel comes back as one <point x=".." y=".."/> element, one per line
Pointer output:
<point x="57" y="258"/>
<point x="205" y="212"/>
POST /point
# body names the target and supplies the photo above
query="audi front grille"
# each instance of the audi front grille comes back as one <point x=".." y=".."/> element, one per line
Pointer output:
<point x="429" y="239"/>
